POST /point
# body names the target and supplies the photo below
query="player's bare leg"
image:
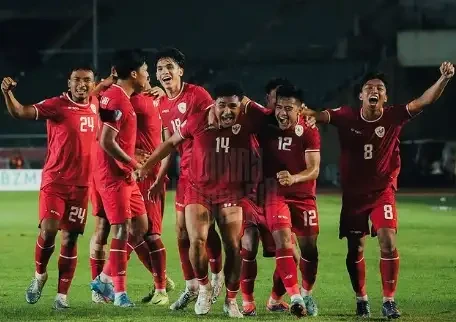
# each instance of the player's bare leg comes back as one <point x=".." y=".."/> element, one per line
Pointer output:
<point x="68" y="260"/>
<point x="308" y="264"/>
<point x="190" y="292"/>
<point x="229" y="220"/>
<point x="249" y="242"/>
<point x="356" y="267"/>
<point x="389" y="270"/>
<point x="214" y="252"/>
<point x="287" y="269"/>
<point x="198" y="220"/>
<point x="44" y="248"/>
<point x="98" y="244"/>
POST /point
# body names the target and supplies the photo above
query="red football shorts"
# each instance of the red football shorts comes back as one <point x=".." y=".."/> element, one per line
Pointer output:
<point x="120" y="202"/>
<point x="155" y="206"/>
<point x="380" y="207"/>
<point x="68" y="204"/>
<point x="194" y="196"/>
<point x="253" y="216"/>
<point x="298" y="214"/>
<point x="181" y="189"/>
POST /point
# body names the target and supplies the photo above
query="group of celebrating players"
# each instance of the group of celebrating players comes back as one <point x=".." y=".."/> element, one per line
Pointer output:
<point x="250" y="169"/>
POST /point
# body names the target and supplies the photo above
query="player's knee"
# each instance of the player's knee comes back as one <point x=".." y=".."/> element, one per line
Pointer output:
<point x="69" y="239"/>
<point x="153" y="237"/>
<point x="282" y="238"/>
<point x="48" y="234"/>
<point x="120" y="231"/>
<point x="387" y="247"/>
<point x="250" y="240"/>
<point x="248" y="255"/>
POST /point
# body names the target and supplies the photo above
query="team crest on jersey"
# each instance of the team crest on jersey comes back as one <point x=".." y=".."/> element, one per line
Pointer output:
<point x="299" y="130"/>
<point x="117" y="115"/>
<point x="236" y="128"/>
<point x="93" y="108"/>
<point x="182" y="107"/>
<point x="380" y="131"/>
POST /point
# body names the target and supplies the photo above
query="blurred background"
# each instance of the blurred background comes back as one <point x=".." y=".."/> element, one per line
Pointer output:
<point x="323" y="46"/>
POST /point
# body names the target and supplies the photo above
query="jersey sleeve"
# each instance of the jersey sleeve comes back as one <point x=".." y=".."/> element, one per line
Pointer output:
<point x="311" y="140"/>
<point x="337" y="116"/>
<point x="111" y="113"/>
<point x="48" y="109"/>
<point x="139" y="103"/>
<point x="402" y="114"/>
<point x="201" y="100"/>
<point x="258" y="115"/>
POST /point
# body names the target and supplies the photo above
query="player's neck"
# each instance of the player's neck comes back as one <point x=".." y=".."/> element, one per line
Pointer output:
<point x="84" y="101"/>
<point x="126" y="86"/>
<point x="174" y="91"/>
<point x="371" y="114"/>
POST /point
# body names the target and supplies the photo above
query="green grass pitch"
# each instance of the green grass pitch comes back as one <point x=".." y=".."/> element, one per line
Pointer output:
<point x="426" y="290"/>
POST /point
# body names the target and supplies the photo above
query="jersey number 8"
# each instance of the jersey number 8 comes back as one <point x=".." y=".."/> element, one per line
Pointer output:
<point x="368" y="151"/>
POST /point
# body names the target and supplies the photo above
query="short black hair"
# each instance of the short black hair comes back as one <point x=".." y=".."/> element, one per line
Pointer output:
<point x="228" y="89"/>
<point x="290" y="91"/>
<point x="274" y="83"/>
<point x="373" y="75"/>
<point x="127" y="60"/>
<point x="82" y="66"/>
<point x="173" y="53"/>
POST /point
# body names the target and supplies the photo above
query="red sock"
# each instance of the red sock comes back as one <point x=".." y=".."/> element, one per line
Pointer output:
<point x="67" y="266"/>
<point x="96" y="266"/>
<point x="287" y="269"/>
<point x="309" y="273"/>
<point x="187" y="269"/>
<point x="107" y="267"/>
<point x="118" y="262"/>
<point x="43" y="252"/>
<point x="356" y="267"/>
<point x="142" y="250"/>
<point x="248" y="274"/>
<point x="214" y="251"/>
<point x="232" y="288"/>
<point x="278" y="289"/>
<point x="389" y="269"/>
<point x="158" y="257"/>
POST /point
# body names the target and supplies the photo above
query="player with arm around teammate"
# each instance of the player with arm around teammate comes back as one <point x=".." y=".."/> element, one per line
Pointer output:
<point x="369" y="167"/>
<point x="221" y="155"/>
<point x="71" y="121"/>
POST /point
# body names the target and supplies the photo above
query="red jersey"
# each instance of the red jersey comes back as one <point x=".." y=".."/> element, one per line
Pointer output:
<point x="175" y="111"/>
<point x="71" y="129"/>
<point x="149" y="131"/>
<point x="109" y="170"/>
<point x="221" y="160"/>
<point x="370" y="159"/>
<point x="284" y="150"/>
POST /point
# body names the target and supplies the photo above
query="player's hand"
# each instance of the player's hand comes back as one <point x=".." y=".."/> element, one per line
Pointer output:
<point x="155" y="189"/>
<point x="139" y="174"/>
<point x="245" y="101"/>
<point x="285" y="178"/>
<point x="311" y="121"/>
<point x="212" y="119"/>
<point x="447" y="70"/>
<point x="156" y="92"/>
<point x="141" y="155"/>
<point x="8" y="84"/>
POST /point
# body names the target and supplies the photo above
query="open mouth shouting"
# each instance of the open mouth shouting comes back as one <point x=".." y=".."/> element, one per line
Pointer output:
<point x="284" y="121"/>
<point x="166" y="80"/>
<point x="373" y="99"/>
<point x="227" y="119"/>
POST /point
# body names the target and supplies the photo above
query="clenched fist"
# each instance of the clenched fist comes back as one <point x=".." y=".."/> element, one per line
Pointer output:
<point x="8" y="84"/>
<point x="447" y="70"/>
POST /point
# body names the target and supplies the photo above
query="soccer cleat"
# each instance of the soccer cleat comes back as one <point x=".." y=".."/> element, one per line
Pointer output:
<point x="123" y="301"/>
<point x="217" y="282"/>
<point x="280" y="306"/>
<point x="184" y="299"/>
<point x="61" y="303"/>
<point x="170" y="286"/>
<point x="33" y="293"/>
<point x="390" y="310"/>
<point x="232" y="309"/>
<point x="203" y="303"/>
<point x="160" y="298"/>
<point x="363" y="309"/>
<point x="98" y="298"/>
<point x="104" y="289"/>
<point x="298" y="308"/>
<point x="249" y="309"/>
<point x="311" y="306"/>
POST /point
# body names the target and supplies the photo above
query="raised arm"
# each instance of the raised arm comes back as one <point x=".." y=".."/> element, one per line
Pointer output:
<point x="16" y="109"/>
<point x="320" y="117"/>
<point x="432" y="93"/>
<point x="160" y="153"/>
